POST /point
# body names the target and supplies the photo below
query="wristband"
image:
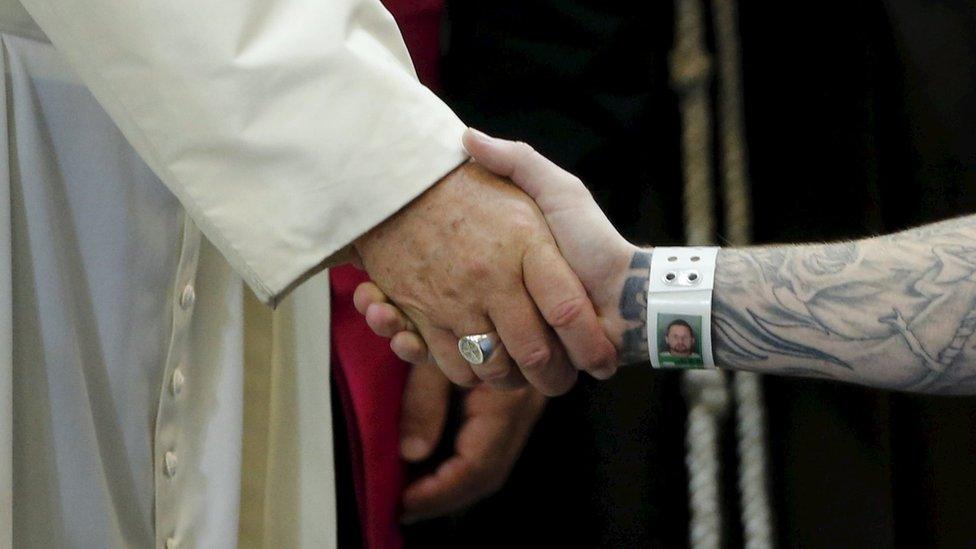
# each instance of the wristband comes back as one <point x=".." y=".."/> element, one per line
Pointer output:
<point x="679" y="307"/>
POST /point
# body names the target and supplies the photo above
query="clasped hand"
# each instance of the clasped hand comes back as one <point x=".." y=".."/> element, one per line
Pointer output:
<point x="538" y="262"/>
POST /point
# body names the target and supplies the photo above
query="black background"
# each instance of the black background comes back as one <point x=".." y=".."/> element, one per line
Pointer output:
<point x="860" y="119"/>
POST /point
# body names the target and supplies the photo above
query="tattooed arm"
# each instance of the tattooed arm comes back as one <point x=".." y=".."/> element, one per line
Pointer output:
<point x="897" y="312"/>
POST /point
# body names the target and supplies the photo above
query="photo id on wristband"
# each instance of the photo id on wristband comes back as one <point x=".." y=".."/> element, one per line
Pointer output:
<point x="679" y="307"/>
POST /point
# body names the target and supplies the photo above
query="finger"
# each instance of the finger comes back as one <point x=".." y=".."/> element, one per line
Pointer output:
<point x="487" y="446"/>
<point x="450" y="488"/>
<point x="478" y="467"/>
<point x="410" y="347"/>
<point x="386" y="320"/>
<point x="499" y="371"/>
<point x="566" y="307"/>
<point x="533" y="173"/>
<point x="443" y="346"/>
<point x="529" y="341"/>
<point x="365" y="295"/>
<point x="424" y="411"/>
<point x="514" y="380"/>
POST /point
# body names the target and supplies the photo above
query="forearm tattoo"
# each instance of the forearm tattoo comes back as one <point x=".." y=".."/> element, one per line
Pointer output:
<point x="896" y="312"/>
<point x="633" y="309"/>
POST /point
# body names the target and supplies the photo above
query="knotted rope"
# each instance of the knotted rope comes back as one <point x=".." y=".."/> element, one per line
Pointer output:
<point x="706" y="390"/>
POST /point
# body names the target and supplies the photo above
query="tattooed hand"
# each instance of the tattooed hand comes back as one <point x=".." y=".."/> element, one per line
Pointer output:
<point x="613" y="271"/>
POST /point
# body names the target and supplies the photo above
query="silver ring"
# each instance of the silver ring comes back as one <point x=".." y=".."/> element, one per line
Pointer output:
<point x="477" y="348"/>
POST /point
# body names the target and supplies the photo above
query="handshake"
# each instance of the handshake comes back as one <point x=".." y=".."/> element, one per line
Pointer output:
<point x="527" y="284"/>
<point x="532" y="280"/>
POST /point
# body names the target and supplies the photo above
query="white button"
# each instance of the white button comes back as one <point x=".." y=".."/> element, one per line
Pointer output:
<point x="178" y="380"/>
<point x="170" y="462"/>
<point x="188" y="297"/>
<point x="170" y="543"/>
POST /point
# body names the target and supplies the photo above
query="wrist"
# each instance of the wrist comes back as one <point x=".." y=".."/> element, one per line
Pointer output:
<point x="625" y="313"/>
<point x="386" y="232"/>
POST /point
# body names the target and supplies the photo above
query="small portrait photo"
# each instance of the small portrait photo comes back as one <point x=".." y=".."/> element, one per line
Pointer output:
<point x="678" y="341"/>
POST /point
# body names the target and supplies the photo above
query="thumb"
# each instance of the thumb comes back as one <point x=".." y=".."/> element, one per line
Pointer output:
<point x="539" y="177"/>
<point x="424" y="413"/>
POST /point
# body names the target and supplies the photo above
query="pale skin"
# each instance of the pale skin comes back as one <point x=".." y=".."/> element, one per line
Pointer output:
<point x="473" y="255"/>
<point x="896" y="312"/>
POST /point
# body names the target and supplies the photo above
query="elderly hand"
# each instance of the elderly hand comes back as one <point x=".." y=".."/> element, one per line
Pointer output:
<point x="474" y="255"/>
<point x="602" y="259"/>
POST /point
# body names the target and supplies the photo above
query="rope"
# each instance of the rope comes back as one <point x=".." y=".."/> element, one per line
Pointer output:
<point x="750" y="427"/>
<point x="691" y="75"/>
<point x="705" y="390"/>
<point x="708" y="400"/>
<point x="735" y="186"/>
<point x="750" y="412"/>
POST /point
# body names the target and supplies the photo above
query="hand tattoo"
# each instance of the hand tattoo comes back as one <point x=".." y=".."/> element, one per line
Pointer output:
<point x="633" y="309"/>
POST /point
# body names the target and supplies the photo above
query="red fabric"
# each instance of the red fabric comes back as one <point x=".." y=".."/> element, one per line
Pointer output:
<point x="420" y="24"/>
<point x="370" y="378"/>
<point x="349" y="416"/>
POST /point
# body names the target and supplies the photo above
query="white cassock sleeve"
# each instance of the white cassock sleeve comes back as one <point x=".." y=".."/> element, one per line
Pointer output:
<point x="287" y="128"/>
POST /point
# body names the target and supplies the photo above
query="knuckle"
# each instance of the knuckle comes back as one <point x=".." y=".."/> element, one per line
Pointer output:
<point x="494" y="373"/>
<point x="576" y="182"/>
<point x="524" y="150"/>
<point x="388" y="323"/>
<point x="579" y="188"/>
<point x="535" y="359"/>
<point x="488" y="479"/>
<point x="416" y="356"/>
<point x="522" y="232"/>
<point x="522" y="218"/>
<point x="469" y="380"/>
<point x="408" y="342"/>
<point x="395" y="322"/>
<point x="599" y="359"/>
<point x="566" y="312"/>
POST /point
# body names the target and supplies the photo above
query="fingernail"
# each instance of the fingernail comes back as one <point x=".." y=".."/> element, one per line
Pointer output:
<point x="413" y="448"/>
<point x="478" y="135"/>
<point x="604" y="374"/>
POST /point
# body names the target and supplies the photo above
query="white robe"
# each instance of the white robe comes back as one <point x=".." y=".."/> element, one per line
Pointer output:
<point x="283" y="129"/>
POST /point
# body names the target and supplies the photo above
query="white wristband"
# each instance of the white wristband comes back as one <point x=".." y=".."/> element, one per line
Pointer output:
<point x="679" y="307"/>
